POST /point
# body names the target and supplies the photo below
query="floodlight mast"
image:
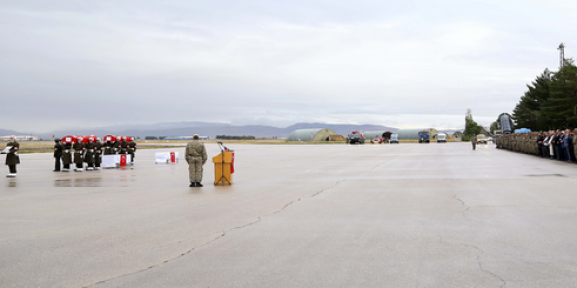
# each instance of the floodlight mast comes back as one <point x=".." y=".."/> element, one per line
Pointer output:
<point x="561" y="49"/>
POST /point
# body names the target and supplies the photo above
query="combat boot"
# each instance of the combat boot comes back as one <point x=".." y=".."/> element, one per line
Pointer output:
<point x="192" y="184"/>
<point x="198" y="184"/>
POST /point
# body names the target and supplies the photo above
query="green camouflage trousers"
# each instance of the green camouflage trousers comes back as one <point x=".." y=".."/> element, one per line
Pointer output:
<point x="195" y="169"/>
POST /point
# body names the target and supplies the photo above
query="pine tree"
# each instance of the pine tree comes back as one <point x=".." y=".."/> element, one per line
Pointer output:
<point x="527" y="113"/>
<point x="561" y="106"/>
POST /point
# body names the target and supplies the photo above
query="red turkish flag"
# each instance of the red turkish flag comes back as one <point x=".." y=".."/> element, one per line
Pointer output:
<point x="232" y="164"/>
<point x="122" y="160"/>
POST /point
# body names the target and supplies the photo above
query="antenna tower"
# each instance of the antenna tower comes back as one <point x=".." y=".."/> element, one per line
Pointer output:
<point x="561" y="49"/>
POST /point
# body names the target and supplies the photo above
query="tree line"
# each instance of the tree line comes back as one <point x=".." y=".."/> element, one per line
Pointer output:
<point x="550" y="101"/>
<point x="230" y="137"/>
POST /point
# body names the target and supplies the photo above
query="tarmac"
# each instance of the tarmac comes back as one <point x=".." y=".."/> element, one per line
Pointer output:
<point x="407" y="215"/>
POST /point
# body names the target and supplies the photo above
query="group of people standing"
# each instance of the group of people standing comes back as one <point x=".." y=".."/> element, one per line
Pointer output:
<point x="555" y="144"/>
<point x="89" y="150"/>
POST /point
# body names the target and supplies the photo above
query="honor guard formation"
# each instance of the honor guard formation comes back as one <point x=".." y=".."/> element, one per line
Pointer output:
<point x="555" y="144"/>
<point x="89" y="150"/>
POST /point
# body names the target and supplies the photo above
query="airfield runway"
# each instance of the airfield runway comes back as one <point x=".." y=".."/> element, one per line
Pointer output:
<point x="407" y="215"/>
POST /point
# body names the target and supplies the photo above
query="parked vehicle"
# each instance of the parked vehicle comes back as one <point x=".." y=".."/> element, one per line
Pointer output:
<point x="424" y="136"/>
<point x="394" y="139"/>
<point x="378" y="140"/>
<point x="441" y="138"/>
<point x="481" y="139"/>
<point x="356" y="137"/>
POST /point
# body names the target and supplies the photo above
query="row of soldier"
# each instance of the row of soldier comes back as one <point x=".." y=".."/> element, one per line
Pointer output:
<point x="555" y="144"/>
<point x="89" y="150"/>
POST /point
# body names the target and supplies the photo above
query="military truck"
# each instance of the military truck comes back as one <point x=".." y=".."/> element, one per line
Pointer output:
<point x="356" y="137"/>
<point x="424" y="136"/>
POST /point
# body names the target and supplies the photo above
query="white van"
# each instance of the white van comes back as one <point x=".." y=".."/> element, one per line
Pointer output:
<point x="441" y="138"/>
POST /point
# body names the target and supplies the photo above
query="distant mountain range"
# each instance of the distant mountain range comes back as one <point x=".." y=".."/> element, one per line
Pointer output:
<point x="203" y="128"/>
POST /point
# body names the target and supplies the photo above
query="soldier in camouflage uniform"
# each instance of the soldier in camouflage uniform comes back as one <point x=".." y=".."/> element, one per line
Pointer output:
<point x="512" y="142"/>
<point x="12" y="158"/>
<point x="195" y="155"/>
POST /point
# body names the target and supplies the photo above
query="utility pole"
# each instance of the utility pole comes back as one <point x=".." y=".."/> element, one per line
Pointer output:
<point x="561" y="49"/>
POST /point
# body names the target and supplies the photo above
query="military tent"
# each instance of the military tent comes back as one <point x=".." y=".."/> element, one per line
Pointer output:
<point x="314" y="134"/>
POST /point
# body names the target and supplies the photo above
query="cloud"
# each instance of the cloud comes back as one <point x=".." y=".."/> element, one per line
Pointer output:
<point x="405" y="65"/>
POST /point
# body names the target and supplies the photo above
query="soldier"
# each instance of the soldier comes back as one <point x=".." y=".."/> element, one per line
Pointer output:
<point x="57" y="154"/>
<point x="474" y="141"/>
<point x="195" y="155"/>
<point x="78" y="154"/>
<point x="131" y="150"/>
<point x="123" y="146"/>
<point x="116" y="146"/>
<point x="89" y="155"/>
<point x="12" y="158"/>
<point x="109" y="147"/>
<point x="97" y="154"/>
<point x="540" y="139"/>
<point x="66" y="156"/>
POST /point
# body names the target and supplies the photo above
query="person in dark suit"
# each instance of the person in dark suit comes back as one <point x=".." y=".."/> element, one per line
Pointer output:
<point x="12" y="158"/>
<point x="568" y="146"/>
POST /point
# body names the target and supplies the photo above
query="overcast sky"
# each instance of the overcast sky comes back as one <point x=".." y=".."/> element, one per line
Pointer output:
<point x="402" y="64"/>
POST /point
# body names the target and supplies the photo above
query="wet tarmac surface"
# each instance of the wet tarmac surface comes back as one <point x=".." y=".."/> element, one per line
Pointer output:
<point x="408" y="215"/>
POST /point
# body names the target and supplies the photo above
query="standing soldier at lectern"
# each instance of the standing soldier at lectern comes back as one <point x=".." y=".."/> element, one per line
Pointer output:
<point x="195" y="155"/>
<point x="57" y="154"/>
<point x="12" y="159"/>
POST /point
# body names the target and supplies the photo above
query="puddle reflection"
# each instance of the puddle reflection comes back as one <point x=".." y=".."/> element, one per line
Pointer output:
<point x="82" y="182"/>
<point x="12" y="184"/>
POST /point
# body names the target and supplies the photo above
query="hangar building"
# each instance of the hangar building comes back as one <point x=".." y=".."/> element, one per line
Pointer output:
<point x="370" y="135"/>
<point x="314" y="134"/>
<point x="413" y="134"/>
